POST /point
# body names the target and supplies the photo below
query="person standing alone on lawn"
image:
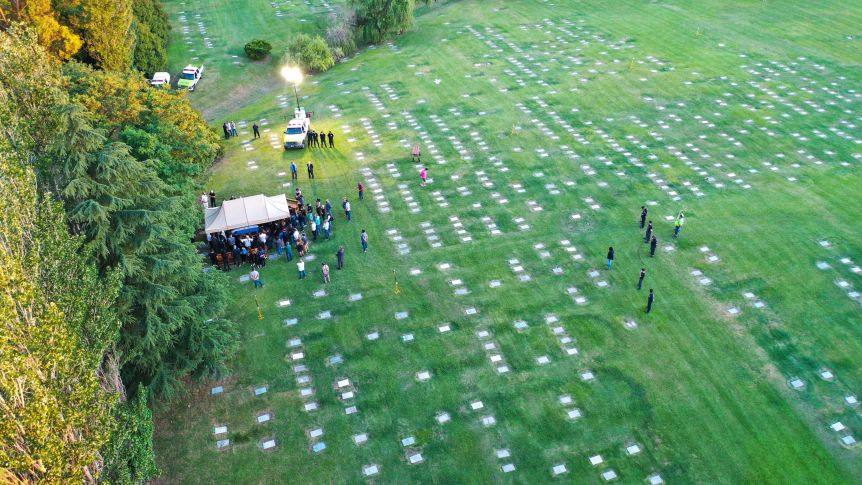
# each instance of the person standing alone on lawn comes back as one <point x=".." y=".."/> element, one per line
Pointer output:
<point x="300" y="266"/>
<point x="361" y="189"/>
<point x="423" y="174"/>
<point x="310" y="167"/>
<point x="677" y="226"/>
<point x="256" y="130"/>
<point x="340" y="257"/>
<point x="644" y="212"/>
<point x="347" y="209"/>
<point x="650" y="300"/>
<point x="641" y="278"/>
<point x="652" y="245"/>
<point x="293" y="171"/>
<point x="325" y="269"/>
<point x="417" y="153"/>
<point x="255" y="276"/>
<point x="363" y="238"/>
<point x="610" y="257"/>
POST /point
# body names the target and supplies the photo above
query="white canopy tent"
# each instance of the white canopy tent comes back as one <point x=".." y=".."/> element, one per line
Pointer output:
<point x="245" y="212"/>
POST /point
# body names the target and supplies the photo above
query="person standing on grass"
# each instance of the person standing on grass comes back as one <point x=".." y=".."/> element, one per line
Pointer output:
<point x="340" y="257"/>
<point x="417" y="153"/>
<point x="652" y="245"/>
<point x="361" y="189"/>
<point x="255" y="277"/>
<point x="324" y="268"/>
<point x="610" y="257"/>
<point x="641" y="278"/>
<point x="328" y="206"/>
<point x="288" y="252"/>
<point x="226" y="129"/>
<point x="300" y="266"/>
<point x="347" y="209"/>
<point x="644" y="212"/>
<point x="310" y="167"/>
<point x="650" y="300"/>
<point x="423" y="174"/>
<point x="331" y="139"/>
<point x="256" y="130"/>
<point x="677" y="226"/>
<point x="293" y="171"/>
<point x="363" y="238"/>
<point x="648" y="232"/>
<point x="233" y="129"/>
<point x="327" y="228"/>
<point x="313" y="230"/>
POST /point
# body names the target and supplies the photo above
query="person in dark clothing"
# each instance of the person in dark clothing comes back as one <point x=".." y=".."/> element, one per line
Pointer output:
<point x="213" y="258"/>
<point x="212" y="198"/>
<point x="648" y="232"/>
<point x="310" y="168"/>
<point x="644" y="212"/>
<point x="610" y="257"/>
<point x="331" y="139"/>
<point x="340" y="256"/>
<point x="293" y="171"/>
<point x="226" y="130"/>
<point x="641" y="278"/>
<point x="652" y="244"/>
<point x="650" y="300"/>
<point x="361" y="189"/>
<point x="314" y="142"/>
<point x="236" y="255"/>
<point x="308" y="139"/>
<point x="256" y="130"/>
<point x="225" y="259"/>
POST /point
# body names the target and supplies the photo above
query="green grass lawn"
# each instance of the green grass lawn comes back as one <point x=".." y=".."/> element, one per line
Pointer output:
<point x="545" y="126"/>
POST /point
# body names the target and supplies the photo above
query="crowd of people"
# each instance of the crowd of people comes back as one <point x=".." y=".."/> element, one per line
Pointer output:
<point x="291" y="238"/>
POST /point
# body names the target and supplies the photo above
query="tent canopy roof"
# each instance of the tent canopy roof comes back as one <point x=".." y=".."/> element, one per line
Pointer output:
<point x="246" y="211"/>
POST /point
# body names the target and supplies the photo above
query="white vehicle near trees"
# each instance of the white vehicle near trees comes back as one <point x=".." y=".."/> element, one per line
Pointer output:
<point x="161" y="79"/>
<point x="297" y="130"/>
<point x="190" y="77"/>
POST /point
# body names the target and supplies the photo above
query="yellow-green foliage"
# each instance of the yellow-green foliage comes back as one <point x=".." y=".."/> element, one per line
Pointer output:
<point x="55" y="414"/>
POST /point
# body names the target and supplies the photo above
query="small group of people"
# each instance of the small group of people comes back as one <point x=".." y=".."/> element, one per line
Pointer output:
<point x="229" y="128"/>
<point x="318" y="140"/>
<point x="228" y="249"/>
<point x="651" y="239"/>
<point x="207" y="200"/>
<point x="294" y="170"/>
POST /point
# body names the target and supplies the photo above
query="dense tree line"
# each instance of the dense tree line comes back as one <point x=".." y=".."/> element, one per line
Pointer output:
<point x="108" y="34"/>
<point x="104" y="298"/>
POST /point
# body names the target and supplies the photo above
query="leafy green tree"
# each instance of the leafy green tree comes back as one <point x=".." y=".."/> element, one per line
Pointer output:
<point x="129" y="455"/>
<point x="377" y="19"/>
<point x="341" y="33"/>
<point x="55" y="308"/>
<point x="311" y="53"/>
<point x="106" y="28"/>
<point x="152" y="33"/>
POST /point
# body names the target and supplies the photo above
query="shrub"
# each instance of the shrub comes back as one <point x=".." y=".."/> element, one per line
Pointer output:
<point x="258" y="49"/>
<point x="311" y="53"/>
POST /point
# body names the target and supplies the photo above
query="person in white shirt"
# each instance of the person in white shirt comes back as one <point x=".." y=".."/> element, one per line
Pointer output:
<point x="262" y="237"/>
<point x="347" y="209"/>
<point x="300" y="265"/>
<point x="255" y="277"/>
